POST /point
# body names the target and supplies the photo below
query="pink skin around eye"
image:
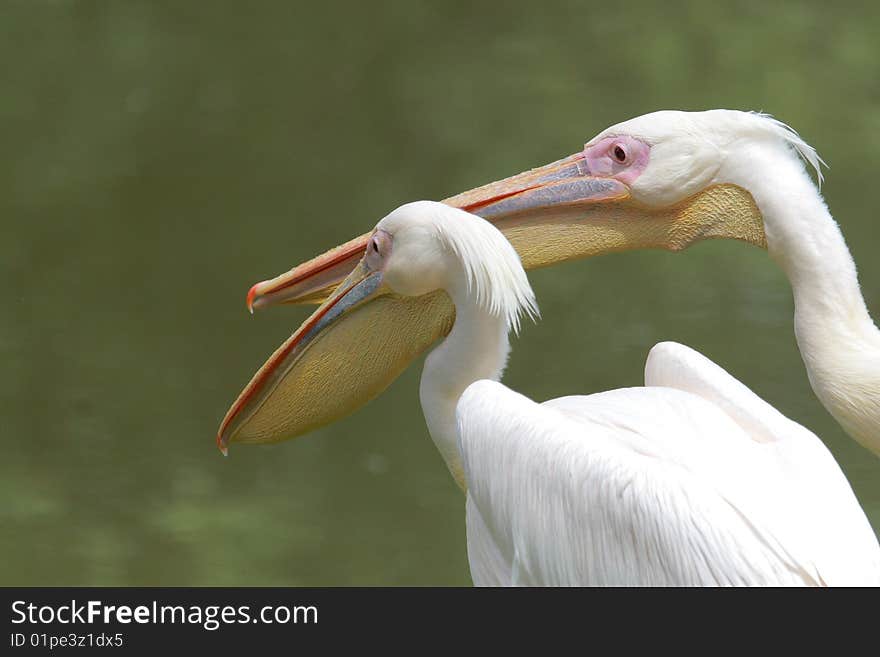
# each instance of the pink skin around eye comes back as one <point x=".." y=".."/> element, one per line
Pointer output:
<point x="601" y="161"/>
<point x="378" y="249"/>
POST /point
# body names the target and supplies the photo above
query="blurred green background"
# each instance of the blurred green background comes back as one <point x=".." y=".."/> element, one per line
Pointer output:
<point x="161" y="157"/>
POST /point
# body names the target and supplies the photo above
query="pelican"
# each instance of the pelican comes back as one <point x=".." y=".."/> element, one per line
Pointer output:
<point x="662" y="180"/>
<point x="693" y="480"/>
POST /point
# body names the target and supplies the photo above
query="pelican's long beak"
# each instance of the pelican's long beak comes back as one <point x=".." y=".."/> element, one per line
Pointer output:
<point x="360" y="286"/>
<point x="565" y="183"/>
<point x="360" y="339"/>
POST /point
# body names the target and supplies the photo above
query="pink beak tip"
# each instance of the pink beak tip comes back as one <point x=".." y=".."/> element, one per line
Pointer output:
<point x="252" y="293"/>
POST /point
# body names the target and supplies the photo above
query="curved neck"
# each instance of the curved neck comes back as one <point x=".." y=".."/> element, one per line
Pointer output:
<point x="475" y="349"/>
<point x="806" y="242"/>
<point x="838" y="341"/>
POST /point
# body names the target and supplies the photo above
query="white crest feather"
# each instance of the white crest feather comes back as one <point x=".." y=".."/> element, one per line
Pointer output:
<point x="495" y="275"/>
<point x="806" y="152"/>
<point x="717" y="126"/>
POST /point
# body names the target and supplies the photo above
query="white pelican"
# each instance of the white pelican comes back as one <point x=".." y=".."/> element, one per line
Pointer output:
<point x="663" y="180"/>
<point x="692" y="481"/>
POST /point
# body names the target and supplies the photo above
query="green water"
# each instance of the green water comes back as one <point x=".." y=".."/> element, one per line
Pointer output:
<point x="159" y="158"/>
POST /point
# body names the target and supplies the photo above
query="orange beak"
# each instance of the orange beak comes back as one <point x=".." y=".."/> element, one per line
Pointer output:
<point x="347" y="353"/>
<point x="563" y="183"/>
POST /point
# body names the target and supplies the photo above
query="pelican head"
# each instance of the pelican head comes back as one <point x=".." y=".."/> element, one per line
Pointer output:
<point x="664" y="180"/>
<point x="419" y="249"/>
<point x="651" y="182"/>
<point x="424" y="246"/>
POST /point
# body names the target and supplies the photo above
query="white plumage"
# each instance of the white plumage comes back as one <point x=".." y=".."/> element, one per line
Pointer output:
<point x="692" y="480"/>
<point x="838" y="341"/>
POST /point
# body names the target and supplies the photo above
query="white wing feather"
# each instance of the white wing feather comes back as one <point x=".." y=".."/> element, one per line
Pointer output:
<point x="655" y="486"/>
<point x="841" y="537"/>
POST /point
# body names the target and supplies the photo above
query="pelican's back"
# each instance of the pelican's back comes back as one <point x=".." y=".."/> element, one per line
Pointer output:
<point x="652" y="486"/>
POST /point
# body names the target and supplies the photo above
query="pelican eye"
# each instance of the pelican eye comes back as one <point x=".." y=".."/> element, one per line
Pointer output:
<point x="620" y="153"/>
<point x="378" y="249"/>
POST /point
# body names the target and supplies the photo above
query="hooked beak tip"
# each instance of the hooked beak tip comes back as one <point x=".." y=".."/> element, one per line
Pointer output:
<point x="252" y="293"/>
<point x="221" y="445"/>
